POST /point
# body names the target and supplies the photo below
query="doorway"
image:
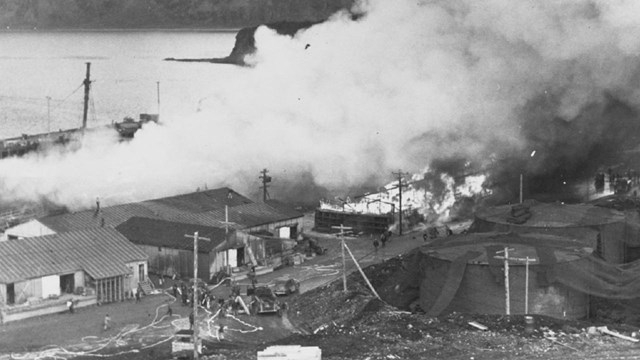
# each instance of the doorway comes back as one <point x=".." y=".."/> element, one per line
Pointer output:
<point x="11" y="294"/>
<point x="240" y="256"/>
<point x="141" y="272"/>
<point x="67" y="284"/>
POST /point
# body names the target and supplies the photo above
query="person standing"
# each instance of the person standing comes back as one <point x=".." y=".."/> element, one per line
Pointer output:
<point x="70" y="305"/>
<point x="107" y="322"/>
<point x="191" y="319"/>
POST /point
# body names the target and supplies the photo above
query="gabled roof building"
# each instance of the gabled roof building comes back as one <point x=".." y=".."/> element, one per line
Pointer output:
<point x="213" y="208"/>
<point x="98" y="265"/>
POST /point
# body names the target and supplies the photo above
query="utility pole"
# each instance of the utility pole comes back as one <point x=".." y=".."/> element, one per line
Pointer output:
<point x="265" y="180"/>
<point x="87" y="85"/>
<point x="526" y="260"/>
<point x="507" y="300"/>
<point x="521" y="196"/>
<point x="226" y="223"/>
<point x="195" y="290"/>
<point x="344" y="264"/>
<point x="400" y="174"/>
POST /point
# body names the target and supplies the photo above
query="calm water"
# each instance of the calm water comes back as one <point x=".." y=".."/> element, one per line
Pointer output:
<point x="126" y="68"/>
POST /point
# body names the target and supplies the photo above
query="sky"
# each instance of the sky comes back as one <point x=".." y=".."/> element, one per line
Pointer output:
<point x="346" y="102"/>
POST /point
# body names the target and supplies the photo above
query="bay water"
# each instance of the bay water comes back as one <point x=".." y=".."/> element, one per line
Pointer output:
<point x="41" y="75"/>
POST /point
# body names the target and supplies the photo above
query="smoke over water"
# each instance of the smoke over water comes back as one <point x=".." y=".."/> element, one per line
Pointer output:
<point x="345" y="103"/>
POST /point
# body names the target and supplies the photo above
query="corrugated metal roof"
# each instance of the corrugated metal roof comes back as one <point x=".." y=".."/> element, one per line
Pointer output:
<point x="250" y="215"/>
<point x="205" y="208"/>
<point x="101" y="252"/>
<point x="169" y="234"/>
<point x="285" y="209"/>
<point x="207" y="200"/>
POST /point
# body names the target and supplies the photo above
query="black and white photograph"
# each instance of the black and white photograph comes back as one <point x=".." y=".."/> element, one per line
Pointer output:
<point x="319" y="179"/>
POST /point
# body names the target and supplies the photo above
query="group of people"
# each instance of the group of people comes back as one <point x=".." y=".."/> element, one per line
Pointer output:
<point x="186" y="293"/>
<point x="384" y="238"/>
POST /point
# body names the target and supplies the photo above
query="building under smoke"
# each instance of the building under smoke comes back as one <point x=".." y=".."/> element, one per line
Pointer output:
<point x="615" y="230"/>
<point x="573" y="252"/>
<point x="465" y="273"/>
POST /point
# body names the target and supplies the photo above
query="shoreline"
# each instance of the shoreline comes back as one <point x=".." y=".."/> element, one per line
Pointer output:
<point x="115" y="30"/>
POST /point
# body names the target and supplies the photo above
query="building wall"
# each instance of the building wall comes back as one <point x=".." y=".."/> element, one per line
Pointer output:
<point x="134" y="278"/>
<point x="29" y="229"/>
<point x="482" y="291"/>
<point x="50" y="286"/>
<point x="78" y="279"/>
<point x="273" y="228"/>
<point x="10" y="314"/>
<point x="42" y="287"/>
<point x="612" y="245"/>
<point x="224" y="258"/>
<point x="166" y="261"/>
<point x="27" y="289"/>
<point x="324" y="220"/>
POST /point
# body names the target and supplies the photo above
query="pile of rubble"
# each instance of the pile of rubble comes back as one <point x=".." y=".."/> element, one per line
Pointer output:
<point x="356" y="325"/>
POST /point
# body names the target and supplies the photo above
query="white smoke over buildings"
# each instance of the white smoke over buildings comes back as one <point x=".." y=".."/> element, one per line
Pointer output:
<point x="350" y="101"/>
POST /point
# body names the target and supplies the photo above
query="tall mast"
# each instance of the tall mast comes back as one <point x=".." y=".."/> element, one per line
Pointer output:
<point x="87" y="84"/>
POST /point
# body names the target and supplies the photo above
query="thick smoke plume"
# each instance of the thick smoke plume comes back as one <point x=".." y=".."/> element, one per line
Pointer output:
<point x="345" y="103"/>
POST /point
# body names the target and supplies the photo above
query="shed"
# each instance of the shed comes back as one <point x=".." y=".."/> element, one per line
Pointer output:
<point x="100" y="260"/>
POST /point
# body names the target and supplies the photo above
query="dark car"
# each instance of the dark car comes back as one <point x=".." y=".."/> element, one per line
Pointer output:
<point x="286" y="286"/>
<point x="264" y="301"/>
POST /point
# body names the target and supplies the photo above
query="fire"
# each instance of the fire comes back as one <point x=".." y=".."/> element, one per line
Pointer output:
<point x="427" y="198"/>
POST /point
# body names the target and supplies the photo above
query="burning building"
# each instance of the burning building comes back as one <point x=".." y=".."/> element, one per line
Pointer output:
<point x="426" y="199"/>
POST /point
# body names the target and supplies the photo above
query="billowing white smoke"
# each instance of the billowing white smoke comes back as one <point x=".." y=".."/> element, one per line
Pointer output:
<point x="350" y="101"/>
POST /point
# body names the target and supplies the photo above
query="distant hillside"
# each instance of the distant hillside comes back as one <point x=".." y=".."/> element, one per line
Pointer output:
<point x="141" y="14"/>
